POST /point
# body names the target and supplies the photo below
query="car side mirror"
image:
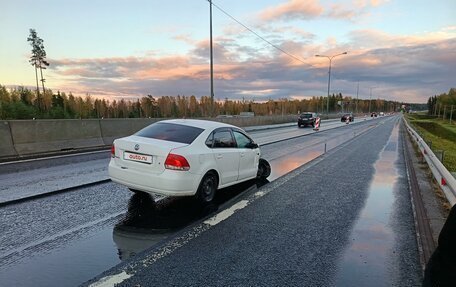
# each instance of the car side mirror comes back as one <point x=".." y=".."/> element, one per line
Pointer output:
<point x="252" y="145"/>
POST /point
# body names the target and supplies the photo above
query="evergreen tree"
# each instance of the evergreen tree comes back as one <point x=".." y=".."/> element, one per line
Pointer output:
<point x="34" y="41"/>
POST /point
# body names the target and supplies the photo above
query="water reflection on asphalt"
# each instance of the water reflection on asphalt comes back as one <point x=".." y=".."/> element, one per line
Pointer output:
<point x="365" y="262"/>
<point x="148" y="222"/>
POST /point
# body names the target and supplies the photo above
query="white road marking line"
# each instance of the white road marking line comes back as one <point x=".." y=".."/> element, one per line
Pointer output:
<point x="219" y="217"/>
<point x="111" y="280"/>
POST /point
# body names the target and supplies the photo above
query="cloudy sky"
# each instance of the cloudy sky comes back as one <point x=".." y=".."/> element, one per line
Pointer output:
<point x="401" y="50"/>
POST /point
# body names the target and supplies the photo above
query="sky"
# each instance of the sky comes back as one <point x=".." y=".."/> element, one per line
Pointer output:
<point x="396" y="50"/>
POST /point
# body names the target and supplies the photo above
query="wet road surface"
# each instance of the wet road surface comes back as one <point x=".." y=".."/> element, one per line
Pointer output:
<point x="89" y="230"/>
<point x="376" y="236"/>
<point x="298" y="230"/>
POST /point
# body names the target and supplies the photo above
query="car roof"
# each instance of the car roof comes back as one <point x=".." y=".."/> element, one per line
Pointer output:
<point x="203" y="124"/>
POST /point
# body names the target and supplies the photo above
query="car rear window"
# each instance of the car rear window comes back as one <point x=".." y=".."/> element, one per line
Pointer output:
<point x="306" y="115"/>
<point x="170" y="132"/>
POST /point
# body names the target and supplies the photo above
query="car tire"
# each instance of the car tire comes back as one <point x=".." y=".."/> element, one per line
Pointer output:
<point x="207" y="188"/>
<point x="264" y="169"/>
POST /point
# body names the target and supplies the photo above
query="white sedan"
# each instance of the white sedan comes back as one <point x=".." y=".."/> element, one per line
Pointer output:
<point x="186" y="158"/>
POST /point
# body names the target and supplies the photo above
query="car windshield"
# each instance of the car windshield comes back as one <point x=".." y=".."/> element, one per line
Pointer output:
<point x="170" y="132"/>
<point x="306" y="116"/>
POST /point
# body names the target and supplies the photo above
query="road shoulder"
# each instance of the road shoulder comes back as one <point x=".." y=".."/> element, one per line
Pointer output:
<point x="432" y="199"/>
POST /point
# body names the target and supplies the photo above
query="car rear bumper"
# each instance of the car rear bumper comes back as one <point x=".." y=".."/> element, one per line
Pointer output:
<point x="167" y="183"/>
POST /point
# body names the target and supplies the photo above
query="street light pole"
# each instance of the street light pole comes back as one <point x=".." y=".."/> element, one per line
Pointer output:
<point x="357" y="92"/>
<point x="212" y="60"/>
<point x="370" y="98"/>
<point x="329" y="75"/>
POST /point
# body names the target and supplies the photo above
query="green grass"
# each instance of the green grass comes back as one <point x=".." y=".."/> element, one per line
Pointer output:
<point x="441" y="133"/>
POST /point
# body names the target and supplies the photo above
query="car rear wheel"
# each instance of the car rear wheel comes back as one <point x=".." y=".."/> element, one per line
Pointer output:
<point x="264" y="169"/>
<point x="207" y="188"/>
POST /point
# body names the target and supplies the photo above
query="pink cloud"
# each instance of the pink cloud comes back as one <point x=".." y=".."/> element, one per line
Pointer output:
<point x="296" y="9"/>
<point x="412" y="67"/>
<point x="310" y="9"/>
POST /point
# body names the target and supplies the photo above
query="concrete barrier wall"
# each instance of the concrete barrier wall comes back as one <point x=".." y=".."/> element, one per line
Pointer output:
<point x="257" y="121"/>
<point x="6" y="141"/>
<point x="38" y="136"/>
<point x="117" y="128"/>
<point x="27" y="137"/>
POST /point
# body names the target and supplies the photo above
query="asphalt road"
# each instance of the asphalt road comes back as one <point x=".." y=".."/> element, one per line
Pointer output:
<point x="66" y="239"/>
<point x="291" y="232"/>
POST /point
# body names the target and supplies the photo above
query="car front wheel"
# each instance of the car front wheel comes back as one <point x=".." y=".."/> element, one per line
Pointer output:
<point x="207" y="188"/>
<point x="264" y="169"/>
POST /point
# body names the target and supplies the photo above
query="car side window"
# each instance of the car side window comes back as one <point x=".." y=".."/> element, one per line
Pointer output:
<point x="210" y="140"/>
<point x="223" y="139"/>
<point x="241" y="140"/>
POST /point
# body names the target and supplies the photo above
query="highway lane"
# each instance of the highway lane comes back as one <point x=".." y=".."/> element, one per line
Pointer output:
<point x="46" y="238"/>
<point x="308" y="228"/>
<point x="31" y="177"/>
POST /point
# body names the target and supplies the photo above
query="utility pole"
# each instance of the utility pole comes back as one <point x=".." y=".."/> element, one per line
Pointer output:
<point x="212" y="60"/>
<point x="370" y="99"/>
<point x="357" y="92"/>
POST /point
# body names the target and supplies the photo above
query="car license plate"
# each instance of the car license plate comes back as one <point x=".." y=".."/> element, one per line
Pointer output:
<point x="138" y="157"/>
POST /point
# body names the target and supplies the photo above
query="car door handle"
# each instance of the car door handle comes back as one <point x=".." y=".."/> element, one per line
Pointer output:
<point x="242" y="154"/>
<point x="219" y="156"/>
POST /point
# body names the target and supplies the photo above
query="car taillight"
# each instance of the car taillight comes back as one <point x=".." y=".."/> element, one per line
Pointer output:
<point x="176" y="162"/>
<point x="113" y="151"/>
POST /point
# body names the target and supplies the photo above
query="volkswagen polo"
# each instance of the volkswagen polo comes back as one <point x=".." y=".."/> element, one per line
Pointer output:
<point x="186" y="158"/>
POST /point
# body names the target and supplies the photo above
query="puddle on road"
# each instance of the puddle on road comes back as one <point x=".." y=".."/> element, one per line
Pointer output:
<point x="285" y="164"/>
<point x="365" y="262"/>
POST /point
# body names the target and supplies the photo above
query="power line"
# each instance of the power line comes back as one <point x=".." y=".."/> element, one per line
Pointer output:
<point x="259" y="36"/>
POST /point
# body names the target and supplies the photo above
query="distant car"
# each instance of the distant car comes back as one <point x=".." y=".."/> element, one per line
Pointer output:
<point x="382" y="114"/>
<point x="307" y="119"/>
<point x="186" y="158"/>
<point x="373" y="115"/>
<point x="350" y="117"/>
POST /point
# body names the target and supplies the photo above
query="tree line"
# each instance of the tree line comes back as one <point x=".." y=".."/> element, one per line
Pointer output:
<point x="443" y="103"/>
<point x="23" y="103"/>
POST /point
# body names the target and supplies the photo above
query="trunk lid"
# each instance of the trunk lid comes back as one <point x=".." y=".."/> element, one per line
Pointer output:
<point x="144" y="154"/>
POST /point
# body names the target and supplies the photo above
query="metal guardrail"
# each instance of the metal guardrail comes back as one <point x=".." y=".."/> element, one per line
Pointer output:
<point x="444" y="178"/>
